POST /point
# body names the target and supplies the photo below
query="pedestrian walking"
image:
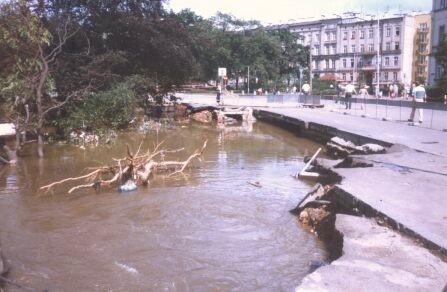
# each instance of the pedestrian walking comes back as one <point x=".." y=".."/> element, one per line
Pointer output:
<point x="396" y="90"/>
<point x="363" y="94"/>
<point x="419" y="96"/>
<point x="349" y="91"/>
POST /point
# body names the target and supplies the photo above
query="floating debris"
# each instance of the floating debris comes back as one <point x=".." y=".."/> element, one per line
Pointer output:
<point x="127" y="268"/>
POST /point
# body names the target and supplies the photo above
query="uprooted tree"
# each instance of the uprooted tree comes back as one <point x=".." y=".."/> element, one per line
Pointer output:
<point x="136" y="168"/>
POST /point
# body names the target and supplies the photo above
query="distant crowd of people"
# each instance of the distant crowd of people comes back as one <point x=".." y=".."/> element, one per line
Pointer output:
<point x="416" y="93"/>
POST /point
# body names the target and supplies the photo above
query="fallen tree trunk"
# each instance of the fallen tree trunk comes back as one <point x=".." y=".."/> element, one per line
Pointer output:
<point x="138" y="169"/>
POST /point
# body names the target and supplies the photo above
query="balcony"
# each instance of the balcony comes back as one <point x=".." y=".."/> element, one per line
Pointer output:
<point x="391" y="52"/>
<point x="368" y="67"/>
<point x="369" y="53"/>
<point x="330" y="41"/>
<point x="423" y="42"/>
<point x="424" y="52"/>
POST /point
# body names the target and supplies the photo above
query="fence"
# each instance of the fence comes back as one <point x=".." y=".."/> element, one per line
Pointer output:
<point x="396" y="110"/>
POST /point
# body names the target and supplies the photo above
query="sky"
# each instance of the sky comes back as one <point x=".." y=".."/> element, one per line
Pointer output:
<point x="284" y="11"/>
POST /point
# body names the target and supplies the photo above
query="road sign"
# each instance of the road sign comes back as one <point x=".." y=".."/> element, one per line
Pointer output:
<point x="221" y="72"/>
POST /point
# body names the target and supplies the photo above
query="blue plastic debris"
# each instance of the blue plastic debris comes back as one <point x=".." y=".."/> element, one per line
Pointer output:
<point x="127" y="187"/>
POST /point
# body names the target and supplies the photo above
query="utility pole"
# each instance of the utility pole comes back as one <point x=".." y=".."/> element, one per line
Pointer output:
<point x="378" y="56"/>
<point x="310" y="61"/>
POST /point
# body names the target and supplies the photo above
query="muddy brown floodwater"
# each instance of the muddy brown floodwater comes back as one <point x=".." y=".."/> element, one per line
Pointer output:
<point x="209" y="230"/>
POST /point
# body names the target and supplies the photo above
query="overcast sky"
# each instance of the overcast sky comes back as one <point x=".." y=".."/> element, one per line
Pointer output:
<point x="276" y="11"/>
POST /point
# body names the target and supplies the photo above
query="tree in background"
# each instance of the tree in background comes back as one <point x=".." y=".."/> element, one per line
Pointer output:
<point x="441" y="61"/>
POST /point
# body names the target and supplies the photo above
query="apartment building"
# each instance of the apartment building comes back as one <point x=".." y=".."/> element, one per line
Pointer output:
<point x="438" y="34"/>
<point x="346" y="48"/>
<point x="421" y="48"/>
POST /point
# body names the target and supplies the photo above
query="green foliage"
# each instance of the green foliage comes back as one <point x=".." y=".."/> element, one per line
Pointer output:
<point x="435" y="93"/>
<point x="109" y="109"/>
<point x="441" y="60"/>
<point x="22" y="34"/>
<point x="323" y="87"/>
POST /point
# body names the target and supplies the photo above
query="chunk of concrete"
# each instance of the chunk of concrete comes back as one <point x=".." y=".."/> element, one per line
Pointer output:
<point x="376" y="258"/>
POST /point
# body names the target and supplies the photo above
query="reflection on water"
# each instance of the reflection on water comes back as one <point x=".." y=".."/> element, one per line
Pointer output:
<point x="208" y="230"/>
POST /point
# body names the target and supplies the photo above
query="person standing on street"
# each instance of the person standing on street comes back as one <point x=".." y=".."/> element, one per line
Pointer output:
<point x="363" y="92"/>
<point x="219" y="93"/>
<point x="349" y="90"/>
<point x="306" y="88"/>
<point x="419" y="95"/>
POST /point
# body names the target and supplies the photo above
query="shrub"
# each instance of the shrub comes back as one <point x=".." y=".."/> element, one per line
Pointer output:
<point x="110" y="109"/>
<point x="434" y="93"/>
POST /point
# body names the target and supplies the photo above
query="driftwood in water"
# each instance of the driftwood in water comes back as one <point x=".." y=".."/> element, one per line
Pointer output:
<point x="135" y="167"/>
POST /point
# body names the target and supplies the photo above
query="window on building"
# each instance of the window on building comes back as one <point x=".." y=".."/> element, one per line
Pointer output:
<point x="443" y="4"/>
<point x="345" y="49"/>
<point x="345" y="35"/>
<point x="371" y="33"/>
<point x="387" y="61"/>
<point x="397" y="31"/>
<point x="316" y="50"/>
<point x="333" y="64"/>
<point x="385" y="75"/>
<point x="344" y="63"/>
<point x="423" y="36"/>
<point x="396" y="61"/>
<point x="353" y="48"/>
<point x="396" y="46"/>
<point x="362" y="48"/>
<point x="327" y="64"/>
<point x="353" y="34"/>
<point x="333" y="49"/>
<point x="327" y="50"/>
<point x="422" y="49"/>
<point x="442" y="35"/>
<point x="370" y="47"/>
<point x="352" y="63"/>
<point x="438" y="72"/>
<point x="317" y="37"/>
<point x="362" y="34"/>
<point x="387" y="46"/>
<point x="395" y="76"/>
<point x="388" y="31"/>
<point x="420" y="70"/>
<point x="343" y="76"/>
<point x="360" y="63"/>
<point x="351" y="77"/>
<point x="328" y="36"/>
<point x="421" y="60"/>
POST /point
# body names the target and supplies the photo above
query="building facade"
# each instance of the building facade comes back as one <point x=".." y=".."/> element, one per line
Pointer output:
<point x="438" y="34"/>
<point x="421" y="48"/>
<point x="349" y="48"/>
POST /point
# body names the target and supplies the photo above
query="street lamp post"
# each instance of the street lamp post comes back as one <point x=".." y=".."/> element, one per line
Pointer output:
<point x="248" y="80"/>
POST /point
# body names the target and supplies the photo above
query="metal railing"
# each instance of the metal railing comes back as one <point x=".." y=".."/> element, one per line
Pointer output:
<point x="399" y="109"/>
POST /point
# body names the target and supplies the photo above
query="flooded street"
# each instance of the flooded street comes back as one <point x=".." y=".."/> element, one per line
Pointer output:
<point x="206" y="230"/>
